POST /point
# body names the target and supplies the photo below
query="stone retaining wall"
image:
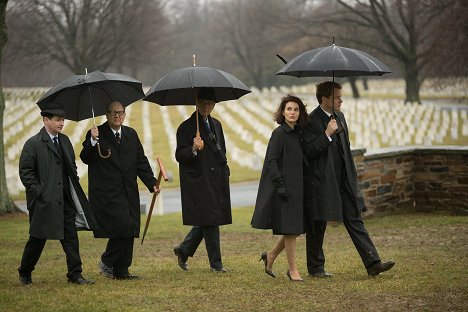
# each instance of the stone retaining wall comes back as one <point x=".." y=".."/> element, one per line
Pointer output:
<point x="414" y="178"/>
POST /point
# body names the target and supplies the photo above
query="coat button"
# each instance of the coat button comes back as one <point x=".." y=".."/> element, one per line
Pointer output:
<point x="212" y="169"/>
<point x="60" y="183"/>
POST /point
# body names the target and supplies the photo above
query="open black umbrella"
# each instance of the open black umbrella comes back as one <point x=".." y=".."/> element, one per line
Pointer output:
<point x="86" y="96"/>
<point x="333" y="61"/>
<point x="181" y="86"/>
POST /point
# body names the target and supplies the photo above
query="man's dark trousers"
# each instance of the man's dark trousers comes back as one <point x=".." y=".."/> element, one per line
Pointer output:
<point x="193" y="239"/>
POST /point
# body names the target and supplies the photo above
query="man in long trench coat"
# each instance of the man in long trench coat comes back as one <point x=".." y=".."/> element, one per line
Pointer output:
<point x="113" y="189"/>
<point x="334" y="192"/>
<point x="204" y="183"/>
<point x="56" y="202"/>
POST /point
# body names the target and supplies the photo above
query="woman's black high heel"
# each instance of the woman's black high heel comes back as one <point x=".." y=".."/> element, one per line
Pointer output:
<point x="293" y="280"/>
<point x="263" y="257"/>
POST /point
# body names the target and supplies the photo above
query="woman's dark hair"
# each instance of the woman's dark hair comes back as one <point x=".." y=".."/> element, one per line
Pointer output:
<point x="279" y="117"/>
<point x="326" y="89"/>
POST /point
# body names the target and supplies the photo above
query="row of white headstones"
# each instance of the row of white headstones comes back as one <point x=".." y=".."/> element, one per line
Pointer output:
<point x="249" y="120"/>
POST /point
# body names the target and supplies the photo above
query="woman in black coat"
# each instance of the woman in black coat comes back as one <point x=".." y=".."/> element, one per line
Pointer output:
<point x="279" y="204"/>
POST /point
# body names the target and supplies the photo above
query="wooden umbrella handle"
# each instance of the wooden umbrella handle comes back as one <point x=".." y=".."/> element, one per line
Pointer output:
<point x="99" y="151"/>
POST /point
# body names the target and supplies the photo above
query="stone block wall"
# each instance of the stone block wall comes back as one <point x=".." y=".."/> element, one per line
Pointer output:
<point x="414" y="178"/>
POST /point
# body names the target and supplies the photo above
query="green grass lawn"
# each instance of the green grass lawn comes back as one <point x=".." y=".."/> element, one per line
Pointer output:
<point x="430" y="275"/>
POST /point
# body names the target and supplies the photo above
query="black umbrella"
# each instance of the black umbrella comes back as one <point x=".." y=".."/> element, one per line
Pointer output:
<point x="86" y="96"/>
<point x="181" y="86"/>
<point x="333" y="61"/>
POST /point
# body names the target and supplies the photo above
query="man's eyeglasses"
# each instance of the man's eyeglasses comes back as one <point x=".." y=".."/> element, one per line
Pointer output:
<point x="116" y="113"/>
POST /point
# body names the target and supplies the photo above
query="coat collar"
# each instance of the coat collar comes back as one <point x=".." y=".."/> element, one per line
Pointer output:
<point x="109" y="133"/>
<point x="322" y="114"/>
<point x="45" y="137"/>
<point x="286" y="127"/>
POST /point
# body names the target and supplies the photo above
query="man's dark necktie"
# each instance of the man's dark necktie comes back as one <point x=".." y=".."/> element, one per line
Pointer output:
<point x="56" y="144"/>
<point x="117" y="137"/>
<point x="207" y="126"/>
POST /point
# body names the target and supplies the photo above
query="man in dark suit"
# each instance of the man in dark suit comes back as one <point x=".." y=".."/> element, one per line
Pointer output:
<point x="334" y="190"/>
<point x="56" y="202"/>
<point x="204" y="182"/>
<point x="113" y="188"/>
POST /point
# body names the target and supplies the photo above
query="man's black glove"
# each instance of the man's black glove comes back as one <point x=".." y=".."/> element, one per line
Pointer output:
<point x="280" y="189"/>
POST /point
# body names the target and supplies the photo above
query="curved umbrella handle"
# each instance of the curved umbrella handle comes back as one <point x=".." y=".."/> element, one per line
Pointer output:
<point x="100" y="154"/>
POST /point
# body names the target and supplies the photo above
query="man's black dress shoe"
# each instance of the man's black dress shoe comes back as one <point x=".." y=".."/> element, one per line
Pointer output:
<point x="25" y="279"/>
<point x="127" y="276"/>
<point x="379" y="267"/>
<point x="321" y="274"/>
<point x="181" y="259"/>
<point x="219" y="270"/>
<point x="80" y="280"/>
<point x="264" y="257"/>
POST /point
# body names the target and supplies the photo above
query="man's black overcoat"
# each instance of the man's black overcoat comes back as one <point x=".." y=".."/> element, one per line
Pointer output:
<point x="204" y="178"/>
<point x="113" y="188"/>
<point x="323" y="188"/>
<point x="40" y="170"/>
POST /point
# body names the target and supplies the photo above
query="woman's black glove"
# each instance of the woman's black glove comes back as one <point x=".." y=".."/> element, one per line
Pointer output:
<point x="280" y="189"/>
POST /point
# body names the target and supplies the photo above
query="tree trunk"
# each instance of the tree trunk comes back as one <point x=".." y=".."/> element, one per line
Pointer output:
<point x="412" y="83"/>
<point x="354" y="88"/>
<point x="364" y="84"/>
<point x="6" y="204"/>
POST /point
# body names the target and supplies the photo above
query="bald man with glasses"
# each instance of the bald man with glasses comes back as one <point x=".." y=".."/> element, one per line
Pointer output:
<point x="113" y="189"/>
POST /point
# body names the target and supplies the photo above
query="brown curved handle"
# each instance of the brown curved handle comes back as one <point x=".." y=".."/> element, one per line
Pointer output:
<point x="100" y="154"/>
<point x="162" y="171"/>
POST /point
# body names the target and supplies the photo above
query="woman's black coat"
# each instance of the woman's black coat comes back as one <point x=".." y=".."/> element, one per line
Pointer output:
<point x="323" y="188"/>
<point x="283" y="159"/>
<point x="204" y="178"/>
<point x="113" y="188"/>
<point x="40" y="170"/>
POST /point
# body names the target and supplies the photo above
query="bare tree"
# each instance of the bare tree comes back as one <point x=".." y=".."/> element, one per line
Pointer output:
<point x="6" y="204"/>
<point x="243" y="33"/>
<point x="86" y="33"/>
<point x="449" y="56"/>
<point x="402" y="30"/>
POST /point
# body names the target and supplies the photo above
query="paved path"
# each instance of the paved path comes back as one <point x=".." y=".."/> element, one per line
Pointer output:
<point x="242" y="194"/>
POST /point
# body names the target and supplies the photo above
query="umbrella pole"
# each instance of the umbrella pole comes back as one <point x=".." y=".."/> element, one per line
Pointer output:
<point x="94" y="121"/>
<point x="338" y="121"/>
<point x="333" y="91"/>
<point x="196" y="112"/>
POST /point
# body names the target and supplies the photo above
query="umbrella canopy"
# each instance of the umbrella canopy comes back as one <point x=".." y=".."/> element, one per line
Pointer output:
<point x="181" y="86"/>
<point x="86" y="96"/>
<point x="334" y="61"/>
